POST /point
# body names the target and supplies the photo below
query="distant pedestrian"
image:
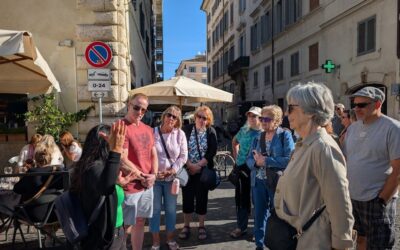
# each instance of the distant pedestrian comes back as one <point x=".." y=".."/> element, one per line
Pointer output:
<point x="316" y="174"/>
<point x="268" y="157"/>
<point x="372" y="148"/>
<point x="240" y="148"/>
<point x="348" y="117"/>
<point x="171" y="145"/>
<point x="202" y="147"/>
<point x="336" y="120"/>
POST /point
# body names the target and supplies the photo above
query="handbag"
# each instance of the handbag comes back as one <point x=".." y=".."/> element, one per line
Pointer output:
<point x="208" y="178"/>
<point x="182" y="174"/>
<point x="234" y="175"/>
<point x="280" y="235"/>
<point x="71" y="217"/>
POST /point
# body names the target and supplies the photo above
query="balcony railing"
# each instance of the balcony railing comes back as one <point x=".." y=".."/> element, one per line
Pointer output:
<point x="242" y="63"/>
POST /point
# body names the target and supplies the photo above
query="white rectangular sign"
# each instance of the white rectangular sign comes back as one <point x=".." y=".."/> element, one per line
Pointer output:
<point x="98" y="85"/>
<point x="99" y="94"/>
<point x="99" y="74"/>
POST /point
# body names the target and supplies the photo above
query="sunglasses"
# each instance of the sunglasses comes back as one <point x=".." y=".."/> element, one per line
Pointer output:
<point x="291" y="107"/>
<point x="344" y="117"/>
<point x="360" y="105"/>
<point x="138" y="108"/>
<point x="169" y="115"/>
<point x="204" y="118"/>
<point x="265" y="119"/>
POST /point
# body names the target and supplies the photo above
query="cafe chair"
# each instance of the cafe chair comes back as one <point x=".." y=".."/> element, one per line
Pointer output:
<point x="41" y="221"/>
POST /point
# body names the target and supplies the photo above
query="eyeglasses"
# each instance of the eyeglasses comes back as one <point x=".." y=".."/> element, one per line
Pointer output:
<point x="138" y="108"/>
<point x="204" y="118"/>
<point x="344" y="117"/>
<point x="169" y="115"/>
<point x="291" y="107"/>
<point x="265" y="119"/>
<point x="360" y="105"/>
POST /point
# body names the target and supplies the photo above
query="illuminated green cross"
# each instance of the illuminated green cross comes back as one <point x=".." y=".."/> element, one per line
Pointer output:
<point x="329" y="66"/>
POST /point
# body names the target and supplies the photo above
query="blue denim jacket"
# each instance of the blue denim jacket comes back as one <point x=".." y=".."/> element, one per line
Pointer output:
<point x="279" y="155"/>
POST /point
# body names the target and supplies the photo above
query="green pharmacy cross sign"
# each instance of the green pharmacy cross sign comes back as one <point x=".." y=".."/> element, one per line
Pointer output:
<point x="329" y="66"/>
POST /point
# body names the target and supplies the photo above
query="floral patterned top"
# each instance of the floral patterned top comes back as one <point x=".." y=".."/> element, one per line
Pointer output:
<point x="193" y="154"/>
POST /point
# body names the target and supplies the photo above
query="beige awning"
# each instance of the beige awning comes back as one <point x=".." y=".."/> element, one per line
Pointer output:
<point x="23" y="70"/>
<point x="182" y="91"/>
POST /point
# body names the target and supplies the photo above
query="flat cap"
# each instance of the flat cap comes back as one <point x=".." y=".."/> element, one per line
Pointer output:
<point x="371" y="92"/>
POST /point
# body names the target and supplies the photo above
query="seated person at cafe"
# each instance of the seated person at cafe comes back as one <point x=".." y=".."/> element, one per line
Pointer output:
<point x="70" y="148"/>
<point x="28" y="186"/>
<point x="25" y="158"/>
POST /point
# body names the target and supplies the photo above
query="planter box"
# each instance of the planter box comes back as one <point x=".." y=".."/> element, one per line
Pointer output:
<point x="16" y="137"/>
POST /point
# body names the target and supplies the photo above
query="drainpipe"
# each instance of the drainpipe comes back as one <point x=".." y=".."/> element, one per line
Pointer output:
<point x="272" y="53"/>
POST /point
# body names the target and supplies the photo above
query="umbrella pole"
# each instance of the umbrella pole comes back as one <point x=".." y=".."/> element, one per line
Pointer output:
<point x="180" y="103"/>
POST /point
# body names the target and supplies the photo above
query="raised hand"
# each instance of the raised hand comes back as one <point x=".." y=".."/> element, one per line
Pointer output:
<point x="116" y="138"/>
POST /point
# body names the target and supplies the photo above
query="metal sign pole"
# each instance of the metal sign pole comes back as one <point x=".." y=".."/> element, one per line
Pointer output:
<point x="101" y="111"/>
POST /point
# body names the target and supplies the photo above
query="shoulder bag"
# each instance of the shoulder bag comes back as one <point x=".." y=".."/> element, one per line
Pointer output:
<point x="208" y="177"/>
<point x="272" y="174"/>
<point x="182" y="174"/>
<point x="280" y="235"/>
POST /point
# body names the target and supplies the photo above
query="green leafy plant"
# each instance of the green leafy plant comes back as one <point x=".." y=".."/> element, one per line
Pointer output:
<point x="50" y="119"/>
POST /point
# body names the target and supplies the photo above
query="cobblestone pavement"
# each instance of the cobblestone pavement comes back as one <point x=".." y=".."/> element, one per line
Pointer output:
<point x="220" y="221"/>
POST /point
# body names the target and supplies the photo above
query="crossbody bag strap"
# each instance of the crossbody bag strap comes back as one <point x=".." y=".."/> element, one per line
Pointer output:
<point x="96" y="211"/>
<point x="42" y="189"/>
<point x="313" y="218"/>
<point x="197" y="141"/>
<point x="164" y="146"/>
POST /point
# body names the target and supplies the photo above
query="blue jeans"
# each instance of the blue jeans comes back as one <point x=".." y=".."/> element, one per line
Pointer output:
<point x="261" y="201"/>
<point x="163" y="199"/>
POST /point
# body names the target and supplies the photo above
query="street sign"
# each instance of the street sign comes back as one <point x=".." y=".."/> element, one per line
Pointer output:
<point x="99" y="94"/>
<point x="98" y="54"/>
<point x="99" y="74"/>
<point x="98" y="85"/>
<point x="329" y="66"/>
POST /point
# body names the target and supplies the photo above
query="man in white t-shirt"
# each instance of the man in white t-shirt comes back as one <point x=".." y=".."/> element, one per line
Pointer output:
<point x="372" y="149"/>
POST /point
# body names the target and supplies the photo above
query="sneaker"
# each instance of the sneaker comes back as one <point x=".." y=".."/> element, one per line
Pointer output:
<point x="172" y="245"/>
<point x="237" y="233"/>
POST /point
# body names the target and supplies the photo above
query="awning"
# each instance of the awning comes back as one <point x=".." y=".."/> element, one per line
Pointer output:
<point x="23" y="70"/>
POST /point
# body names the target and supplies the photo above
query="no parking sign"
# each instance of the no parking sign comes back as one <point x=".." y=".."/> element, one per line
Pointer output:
<point x="98" y="54"/>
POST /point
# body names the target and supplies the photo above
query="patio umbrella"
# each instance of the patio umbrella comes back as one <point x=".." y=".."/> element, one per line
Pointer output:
<point x="183" y="91"/>
<point x="23" y="70"/>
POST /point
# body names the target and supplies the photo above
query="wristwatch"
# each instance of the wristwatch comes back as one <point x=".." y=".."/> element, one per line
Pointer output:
<point x="380" y="200"/>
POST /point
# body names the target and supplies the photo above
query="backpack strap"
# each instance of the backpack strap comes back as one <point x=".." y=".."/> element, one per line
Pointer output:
<point x="43" y="188"/>
<point x="96" y="211"/>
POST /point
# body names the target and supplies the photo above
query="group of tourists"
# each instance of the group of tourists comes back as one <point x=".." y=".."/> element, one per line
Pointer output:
<point x="347" y="184"/>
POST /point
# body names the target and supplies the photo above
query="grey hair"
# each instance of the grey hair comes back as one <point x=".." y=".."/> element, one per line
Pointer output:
<point x="315" y="99"/>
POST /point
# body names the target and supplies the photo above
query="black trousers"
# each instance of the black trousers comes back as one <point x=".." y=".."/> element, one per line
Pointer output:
<point x="194" y="196"/>
<point x="242" y="190"/>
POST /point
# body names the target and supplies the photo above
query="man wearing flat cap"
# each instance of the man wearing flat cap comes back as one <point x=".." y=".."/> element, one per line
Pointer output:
<point x="372" y="149"/>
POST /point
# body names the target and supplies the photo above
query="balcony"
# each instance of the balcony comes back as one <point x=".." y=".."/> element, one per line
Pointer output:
<point x="238" y="66"/>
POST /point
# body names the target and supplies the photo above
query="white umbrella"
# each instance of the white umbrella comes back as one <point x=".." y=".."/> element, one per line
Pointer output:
<point x="183" y="91"/>
<point x="23" y="70"/>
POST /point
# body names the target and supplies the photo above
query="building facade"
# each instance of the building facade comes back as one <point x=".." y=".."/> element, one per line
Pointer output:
<point x="195" y="68"/>
<point x="63" y="29"/>
<point x="259" y="49"/>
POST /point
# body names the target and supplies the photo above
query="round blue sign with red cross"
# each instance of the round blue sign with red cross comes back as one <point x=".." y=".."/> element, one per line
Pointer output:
<point x="98" y="54"/>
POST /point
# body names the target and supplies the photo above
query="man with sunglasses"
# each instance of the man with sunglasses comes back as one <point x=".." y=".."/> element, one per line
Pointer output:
<point x="140" y="157"/>
<point x="372" y="149"/>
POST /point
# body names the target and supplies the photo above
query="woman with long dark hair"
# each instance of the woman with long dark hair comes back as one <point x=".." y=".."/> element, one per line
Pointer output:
<point x="96" y="175"/>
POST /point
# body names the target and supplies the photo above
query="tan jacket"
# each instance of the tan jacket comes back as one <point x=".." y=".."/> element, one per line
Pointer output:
<point x="316" y="175"/>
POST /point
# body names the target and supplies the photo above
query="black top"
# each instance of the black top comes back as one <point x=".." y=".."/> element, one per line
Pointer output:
<point x="99" y="179"/>
<point x="211" y="143"/>
<point x="28" y="186"/>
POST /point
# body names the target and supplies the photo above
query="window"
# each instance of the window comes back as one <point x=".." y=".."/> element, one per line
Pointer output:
<point x="192" y="69"/>
<point x="141" y="20"/>
<point x="242" y="45"/>
<point x="294" y="64"/>
<point x="226" y="61"/>
<point x="254" y="44"/>
<point x="208" y="75"/>
<point x="279" y="17"/>
<point x="292" y="11"/>
<point x="366" y="36"/>
<point x="208" y="44"/>
<point x="313" y="57"/>
<point x="232" y="54"/>
<point x="255" y="79"/>
<point x="242" y="6"/>
<point x="314" y="4"/>
<point x="279" y="70"/>
<point x="231" y="13"/>
<point x="267" y="75"/>
<point x="203" y="69"/>
<point x="226" y="21"/>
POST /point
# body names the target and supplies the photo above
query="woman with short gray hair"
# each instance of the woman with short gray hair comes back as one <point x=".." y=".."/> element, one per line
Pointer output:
<point x="315" y="178"/>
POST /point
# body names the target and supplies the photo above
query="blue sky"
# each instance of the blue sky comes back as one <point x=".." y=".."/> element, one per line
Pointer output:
<point x="184" y="32"/>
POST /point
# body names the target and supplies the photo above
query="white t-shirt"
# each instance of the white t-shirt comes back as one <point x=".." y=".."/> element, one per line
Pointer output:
<point x="369" y="150"/>
<point x="76" y="150"/>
